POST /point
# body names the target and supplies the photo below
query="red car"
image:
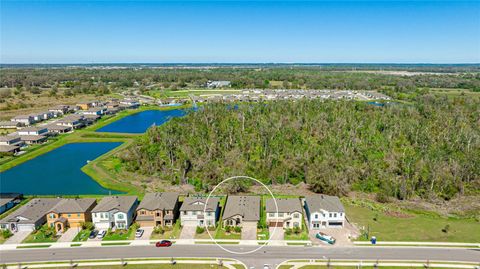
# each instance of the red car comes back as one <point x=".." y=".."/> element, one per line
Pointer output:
<point x="163" y="243"/>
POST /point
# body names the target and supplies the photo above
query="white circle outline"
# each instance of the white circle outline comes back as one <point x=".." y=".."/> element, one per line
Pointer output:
<point x="205" y="208"/>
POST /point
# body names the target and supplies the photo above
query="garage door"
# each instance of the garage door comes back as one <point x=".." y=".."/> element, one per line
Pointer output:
<point x="25" y="228"/>
<point x="335" y="224"/>
<point x="275" y="224"/>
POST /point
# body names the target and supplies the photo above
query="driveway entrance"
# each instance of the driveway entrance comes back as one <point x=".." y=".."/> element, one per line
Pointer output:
<point x="188" y="230"/>
<point x="69" y="235"/>
<point x="278" y="235"/>
<point x="18" y="237"/>
<point x="249" y="230"/>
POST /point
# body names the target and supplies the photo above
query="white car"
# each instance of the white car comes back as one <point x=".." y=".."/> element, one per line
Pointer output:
<point x="139" y="233"/>
<point x="101" y="234"/>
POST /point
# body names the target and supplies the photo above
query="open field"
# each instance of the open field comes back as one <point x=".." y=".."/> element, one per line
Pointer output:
<point x="150" y="266"/>
<point x="401" y="225"/>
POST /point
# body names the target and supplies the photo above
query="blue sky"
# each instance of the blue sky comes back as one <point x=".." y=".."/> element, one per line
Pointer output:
<point x="246" y="31"/>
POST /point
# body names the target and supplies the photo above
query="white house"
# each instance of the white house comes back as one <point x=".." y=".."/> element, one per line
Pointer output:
<point x="192" y="211"/>
<point x="24" y="119"/>
<point x="33" y="131"/>
<point x="324" y="211"/>
<point x="115" y="212"/>
<point x="289" y="215"/>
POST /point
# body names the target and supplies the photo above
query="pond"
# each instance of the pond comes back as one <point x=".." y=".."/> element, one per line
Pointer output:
<point x="140" y="122"/>
<point x="57" y="172"/>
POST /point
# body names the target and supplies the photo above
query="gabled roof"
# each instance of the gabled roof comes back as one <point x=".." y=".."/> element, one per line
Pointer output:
<point x="159" y="201"/>
<point x="246" y="206"/>
<point x="324" y="202"/>
<point x="74" y="205"/>
<point x="32" y="211"/>
<point x="198" y="204"/>
<point x="120" y="203"/>
<point x="285" y="205"/>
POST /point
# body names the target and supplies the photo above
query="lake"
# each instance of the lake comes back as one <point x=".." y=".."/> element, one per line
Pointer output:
<point x="140" y="122"/>
<point x="57" y="172"/>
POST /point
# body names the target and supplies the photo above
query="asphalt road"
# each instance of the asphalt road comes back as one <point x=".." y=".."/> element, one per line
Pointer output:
<point x="267" y="255"/>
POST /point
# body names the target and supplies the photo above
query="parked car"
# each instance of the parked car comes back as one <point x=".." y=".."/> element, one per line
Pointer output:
<point x="326" y="238"/>
<point x="139" y="233"/>
<point x="93" y="234"/>
<point x="101" y="234"/>
<point x="163" y="243"/>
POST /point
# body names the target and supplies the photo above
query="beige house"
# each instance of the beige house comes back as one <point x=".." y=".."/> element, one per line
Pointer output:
<point x="289" y="213"/>
<point x="240" y="210"/>
<point x="158" y="209"/>
<point x="70" y="213"/>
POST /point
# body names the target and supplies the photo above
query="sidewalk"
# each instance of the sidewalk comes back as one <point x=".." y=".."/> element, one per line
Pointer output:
<point x="355" y="264"/>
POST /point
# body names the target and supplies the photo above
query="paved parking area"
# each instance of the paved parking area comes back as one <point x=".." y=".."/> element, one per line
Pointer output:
<point x="188" y="231"/>
<point x="147" y="232"/>
<point x="278" y="235"/>
<point x="17" y="238"/>
<point x="249" y="231"/>
<point x="69" y="235"/>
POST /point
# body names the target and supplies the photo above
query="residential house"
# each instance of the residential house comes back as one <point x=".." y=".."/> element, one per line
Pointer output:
<point x="46" y="115"/>
<point x="130" y="103"/>
<point x="70" y="213"/>
<point x="218" y="84"/>
<point x="9" y="200"/>
<point x="75" y="121"/>
<point x="60" y="110"/>
<point x="58" y="129"/>
<point x="324" y="211"/>
<point x="241" y="210"/>
<point x="10" y="125"/>
<point x="85" y="105"/>
<point x="33" y="131"/>
<point x="158" y="209"/>
<point x="193" y="208"/>
<point x="289" y="215"/>
<point x="30" y="216"/>
<point x="24" y="119"/>
<point x="115" y="212"/>
<point x="94" y="111"/>
<point x="33" y="139"/>
<point x="10" y="143"/>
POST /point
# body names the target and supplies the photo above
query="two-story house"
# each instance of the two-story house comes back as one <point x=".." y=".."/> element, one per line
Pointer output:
<point x="158" y="209"/>
<point x="324" y="211"/>
<point x="33" y="131"/>
<point x="193" y="208"/>
<point x="289" y="215"/>
<point x="70" y="213"/>
<point x="241" y="210"/>
<point x="115" y="212"/>
<point x="30" y="216"/>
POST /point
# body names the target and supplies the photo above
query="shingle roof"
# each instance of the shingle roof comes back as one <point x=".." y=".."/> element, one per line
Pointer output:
<point x="32" y="211"/>
<point x="198" y="204"/>
<point x="159" y="201"/>
<point x="246" y="206"/>
<point x="121" y="203"/>
<point x="74" y="205"/>
<point x="324" y="202"/>
<point x="285" y="205"/>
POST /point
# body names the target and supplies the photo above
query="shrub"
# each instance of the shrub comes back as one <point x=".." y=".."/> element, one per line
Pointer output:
<point x="446" y="228"/>
<point x="158" y="230"/>
<point x="288" y="231"/>
<point x="87" y="226"/>
<point x="6" y="233"/>
<point x="237" y="229"/>
<point x="135" y="226"/>
<point x="228" y="229"/>
<point x="200" y="230"/>
<point x="381" y="197"/>
<point x="296" y="230"/>
<point x="211" y="228"/>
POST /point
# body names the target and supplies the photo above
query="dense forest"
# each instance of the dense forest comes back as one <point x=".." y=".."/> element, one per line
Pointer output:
<point x="84" y="80"/>
<point x="428" y="149"/>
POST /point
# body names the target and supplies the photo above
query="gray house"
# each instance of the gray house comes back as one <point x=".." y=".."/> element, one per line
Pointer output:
<point x="9" y="200"/>
<point x="30" y="216"/>
<point x="241" y="210"/>
<point x="324" y="211"/>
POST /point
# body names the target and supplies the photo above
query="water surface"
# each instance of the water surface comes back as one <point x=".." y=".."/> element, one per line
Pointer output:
<point x="57" y="172"/>
<point x="140" y="122"/>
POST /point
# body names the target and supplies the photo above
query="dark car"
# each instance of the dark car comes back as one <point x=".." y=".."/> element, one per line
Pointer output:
<point x="163" y="243"/>
<point x="93" y="234"/>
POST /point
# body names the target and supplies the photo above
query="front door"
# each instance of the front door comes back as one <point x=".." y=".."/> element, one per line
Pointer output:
<point x="59" y="227"/>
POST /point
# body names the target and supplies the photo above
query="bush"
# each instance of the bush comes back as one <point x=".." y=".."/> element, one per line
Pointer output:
<point x="381" y="197"/>
<point x="228" y="229"/>
<point x="288" y="231"/>
<point x="6" y="234"/>
<point x="158" y="230"/>
<point x="446" y="228"/>
<point x="211" y="228"/>
<point x="200" y="230"/>
<point x="237" y="229"/>
<point x="296" y="230"/>
<point x="87" y="226"/>
<point x="135" y="226"/>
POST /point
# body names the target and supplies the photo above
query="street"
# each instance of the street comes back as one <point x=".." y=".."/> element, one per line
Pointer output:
<point x="267" y="255"/>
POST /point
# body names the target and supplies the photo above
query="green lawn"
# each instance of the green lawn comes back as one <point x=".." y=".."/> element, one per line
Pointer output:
<point x="410" y="226"/>
<point x="82" y="236"/>
<point x="41" y="235"/>
<point x="120" y="234"/>
<point x="174" y="233"/>
<point x="220" y="234"/>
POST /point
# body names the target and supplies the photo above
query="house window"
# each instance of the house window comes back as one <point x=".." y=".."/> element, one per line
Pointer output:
<point x="209" y="214"/>
<point x="280" y="215"/>
<point x="341" y="214"/>
<point x="296" y="215"/>
<point x="120" y="216"/>
<point x="158" y="214"/>
<point x="335" y="215"/>
<point x="330" y="215"/>
<point x="271" y="215"/>
<point x="295" y="224"/>
<point x="184" y="212"/>
<point x="78" y="214"/>
<point x="52" y="216"/>
<point x="316" y="216"/>
<point x="69" y="215"/>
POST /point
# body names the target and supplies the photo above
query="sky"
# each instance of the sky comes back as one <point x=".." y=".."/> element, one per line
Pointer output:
<point x="239" y="32"/>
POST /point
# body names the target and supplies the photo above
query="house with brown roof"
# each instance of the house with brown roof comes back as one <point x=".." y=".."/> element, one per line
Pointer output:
<point x="159" y="208"/>
<point x="241" y="210"/>
<point x="70" y="213"/>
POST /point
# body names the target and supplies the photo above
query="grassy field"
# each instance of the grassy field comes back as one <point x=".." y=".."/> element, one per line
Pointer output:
<point x="152" y="266"/>
<point x="396" y="225"/>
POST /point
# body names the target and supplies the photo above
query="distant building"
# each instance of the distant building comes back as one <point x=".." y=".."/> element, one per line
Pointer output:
<point x="218" y="84"/>
<point x="9" y="200"/>
<point x="10" y="124"/>
<point x="33" y="131"/>
<point x="24" y="119"/>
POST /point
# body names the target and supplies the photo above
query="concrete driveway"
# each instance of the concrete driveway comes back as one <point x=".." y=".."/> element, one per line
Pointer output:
<point x="249" y="231"/>
<point x="147" y="232"/>
<point x="17" y="238"/>
<point x="188" y="231"/>
<point x="278" y="235"/>
<point x="69" y="235"/>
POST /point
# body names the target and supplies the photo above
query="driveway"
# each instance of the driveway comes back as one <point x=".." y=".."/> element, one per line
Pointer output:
<point x="188" y="231"/>
<point x="278" y="235"/>
<point x="249" y="231"/>
<point x="17" y="238"/>
<point x="147" y="232"/>
<point x="69" y="235"/>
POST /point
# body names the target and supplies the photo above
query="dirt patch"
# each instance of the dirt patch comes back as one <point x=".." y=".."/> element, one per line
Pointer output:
<point x="398" y="214"/>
